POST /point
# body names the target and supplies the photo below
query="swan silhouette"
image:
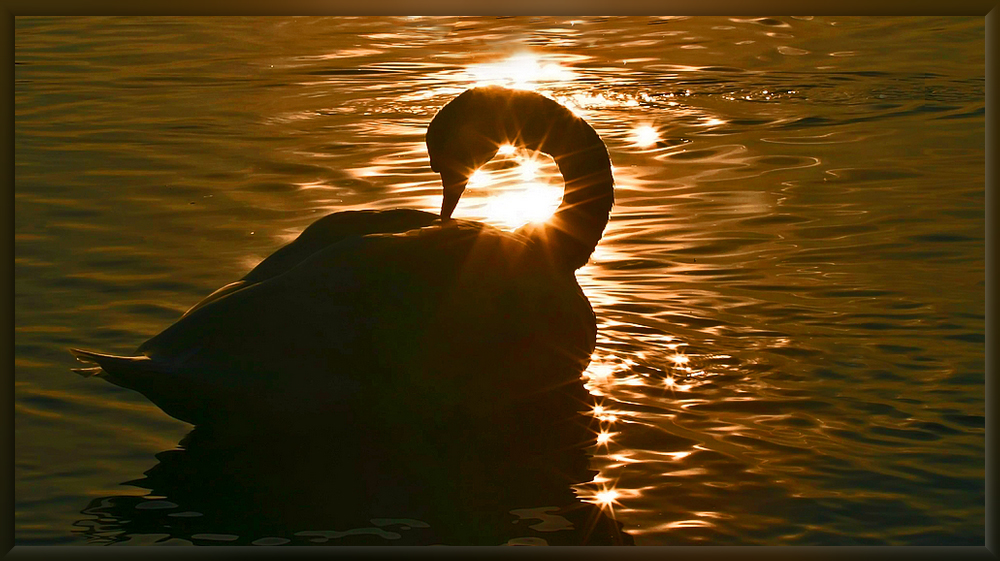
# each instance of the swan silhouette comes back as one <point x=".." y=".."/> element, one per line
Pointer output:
<point x="382" y="308"/>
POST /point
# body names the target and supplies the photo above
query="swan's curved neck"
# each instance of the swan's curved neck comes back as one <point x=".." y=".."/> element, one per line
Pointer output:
<point x="573" y="232"/>
<point x="467" y="132"/>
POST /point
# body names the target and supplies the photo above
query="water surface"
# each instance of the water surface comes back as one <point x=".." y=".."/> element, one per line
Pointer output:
<point x="790" y="294"/>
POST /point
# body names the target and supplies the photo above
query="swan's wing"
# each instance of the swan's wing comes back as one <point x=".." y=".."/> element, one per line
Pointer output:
<point x="344" y="302"/>
<point x="333" y="229"/>
<point x="413" y="312"/>
<point x="323" y="233"/>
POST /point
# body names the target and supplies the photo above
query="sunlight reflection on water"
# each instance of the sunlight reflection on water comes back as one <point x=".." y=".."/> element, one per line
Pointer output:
<point x="789" y="294"/>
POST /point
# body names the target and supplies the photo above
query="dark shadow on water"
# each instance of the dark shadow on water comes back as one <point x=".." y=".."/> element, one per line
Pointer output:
<point x="507" y="478"/>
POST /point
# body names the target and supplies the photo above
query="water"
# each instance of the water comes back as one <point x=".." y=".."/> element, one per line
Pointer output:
<point x="790" y="294"/>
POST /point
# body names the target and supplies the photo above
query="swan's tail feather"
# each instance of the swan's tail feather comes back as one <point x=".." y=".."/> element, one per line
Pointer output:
<point x="153" y="378"/>
<point x="118" y="370"/>
<point x="88" y="372"/>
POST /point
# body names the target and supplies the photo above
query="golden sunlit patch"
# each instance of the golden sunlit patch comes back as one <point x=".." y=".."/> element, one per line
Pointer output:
<point x="479" y="178"/>
<point x="645" y="136"/>
<point x="600" y="371"/>
<point x="624" y="457"/>
<point x="672" y="384"/>
<point x="579" y="103"/>
<point x="529" y="168"/>
<point x="680" y="359"/>
<point x="536" y="202"/>
<point x="522" y="186"/>
<point x="522" y="71"/>
<point x="607" y="498"/>
<point x="634" y="380"/>
<point x="604" y="415"/>
<point x="604" y="437"/>
<point x="686" y="524"/>
<point x="686" y="472"/>
<point x="370" y="171"/>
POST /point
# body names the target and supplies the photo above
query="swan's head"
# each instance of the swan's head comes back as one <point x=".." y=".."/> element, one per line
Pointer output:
<point x="467" y="132"/>
<point x="458" y="144"/>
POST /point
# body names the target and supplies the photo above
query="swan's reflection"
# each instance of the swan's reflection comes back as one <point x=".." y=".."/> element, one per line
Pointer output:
<point x="505" y="480"/>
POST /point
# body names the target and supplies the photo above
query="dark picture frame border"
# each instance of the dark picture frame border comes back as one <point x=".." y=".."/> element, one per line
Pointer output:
<point x="13" y="8"/>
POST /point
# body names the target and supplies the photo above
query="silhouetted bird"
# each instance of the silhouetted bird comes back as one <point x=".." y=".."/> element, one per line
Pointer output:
<point x="401" y="312"/>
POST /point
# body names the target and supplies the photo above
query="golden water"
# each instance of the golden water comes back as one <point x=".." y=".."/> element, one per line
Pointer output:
<point x="790" y="294"/>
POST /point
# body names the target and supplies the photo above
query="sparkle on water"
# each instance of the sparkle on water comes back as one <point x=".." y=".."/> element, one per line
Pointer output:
<point x="645" y="136"/>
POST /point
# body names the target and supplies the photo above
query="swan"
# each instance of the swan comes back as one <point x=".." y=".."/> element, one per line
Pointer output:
<point x="382" y="308"/>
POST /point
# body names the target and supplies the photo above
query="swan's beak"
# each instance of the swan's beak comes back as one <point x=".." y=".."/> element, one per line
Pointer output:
<point x="454" y="186"/>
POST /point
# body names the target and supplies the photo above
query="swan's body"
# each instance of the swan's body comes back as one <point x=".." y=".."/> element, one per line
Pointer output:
<point x="400" y="304"/>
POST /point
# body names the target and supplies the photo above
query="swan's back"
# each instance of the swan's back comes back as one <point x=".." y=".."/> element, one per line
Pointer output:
<point x="440" y="314"/>
<point x="323" y="233"/>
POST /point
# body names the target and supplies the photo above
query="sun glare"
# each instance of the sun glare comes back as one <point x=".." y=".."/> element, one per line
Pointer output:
<point x="517" y="189"/>
<point x="479" y="178"/>
<point x="522" y="71"/>
<point x="529" y="169"/>
<point x="606" y="498"/>
<point x="645" y="136"/>
<point x="535" y="202"/>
